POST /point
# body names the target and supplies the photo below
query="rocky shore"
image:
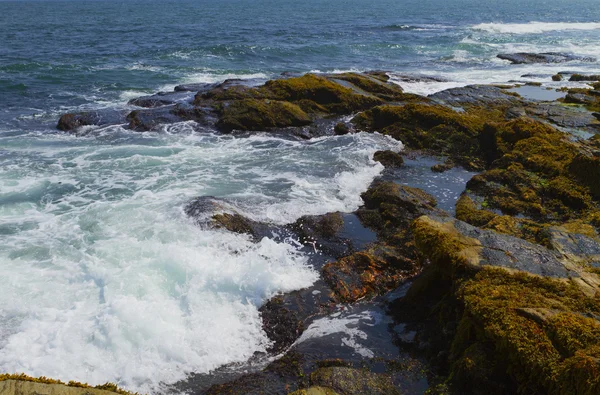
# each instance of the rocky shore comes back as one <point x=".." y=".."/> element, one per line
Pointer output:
<point x="495" y="294"/>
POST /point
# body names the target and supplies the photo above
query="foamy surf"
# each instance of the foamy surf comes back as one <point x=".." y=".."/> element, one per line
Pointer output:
<point x="105" y="278"/>
<point x="534" y="27"/>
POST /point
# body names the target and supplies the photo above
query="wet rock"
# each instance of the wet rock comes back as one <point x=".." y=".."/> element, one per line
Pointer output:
<point x="341" y="129"/>
<point x="200" y="87"/>
<point x="281" y="324"/>
<point x="447" y="239"/>
<point x="254" y="114"/>
<point x="536" y="76"/>
<point x="580" y="98"/>
<point x="160" y="99"/>
<point x="314" y="227"/>
<point x="476" y="95"/>
<point x="389" y="207"/>
<point x="585" y="77"/>
<point x="441" y="167"/>
<point x="412" y="78"/>
<point x="548" y="57"/>
<point x="371" y="272"/>
<point x="389" y="159"/>
<point x="69" y="122"/>
<point x="557" y="77"/>
<point x="563" y="116"/>
<point x="351" y="381"/>
<point x="279" y="377"/>
<point x="149" y="119"/>
<point x="315" y="390"/>
<point x="21" y="384"/>
<point x="512" y="310"/>
<point x="370" y="84"/>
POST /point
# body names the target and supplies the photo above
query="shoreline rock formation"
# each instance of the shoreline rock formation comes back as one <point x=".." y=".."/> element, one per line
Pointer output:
<point x="500" y="297"/>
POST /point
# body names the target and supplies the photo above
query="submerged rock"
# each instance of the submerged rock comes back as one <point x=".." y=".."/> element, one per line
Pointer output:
<point x="72" y="121"/>
<point x="547" y="57"/>
<point x="159" y="99"/>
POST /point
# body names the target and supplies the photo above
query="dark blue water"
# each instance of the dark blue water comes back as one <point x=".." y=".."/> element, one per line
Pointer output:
<point x="104" y="278"/>
<point x="63" y="54"/>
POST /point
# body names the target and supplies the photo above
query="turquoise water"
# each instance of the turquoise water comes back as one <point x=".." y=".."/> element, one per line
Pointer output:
<point x="104" y="277"/>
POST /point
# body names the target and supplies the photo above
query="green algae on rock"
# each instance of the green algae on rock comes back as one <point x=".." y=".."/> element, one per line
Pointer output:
<point x="22" y="384"/>
<point x="525" y="318"/>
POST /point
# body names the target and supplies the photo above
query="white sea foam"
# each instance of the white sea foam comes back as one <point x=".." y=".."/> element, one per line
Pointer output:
<point x="106" y="279"/>
<point x="534" y="27"/>
<point x="346" y="326"/>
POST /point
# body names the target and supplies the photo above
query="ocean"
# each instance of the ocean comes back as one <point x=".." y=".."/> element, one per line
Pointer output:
<point x="104" y="278"/>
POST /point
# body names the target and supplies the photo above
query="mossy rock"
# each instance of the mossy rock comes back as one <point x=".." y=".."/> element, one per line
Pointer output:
<point x="432" y="127"/>
<point x="517" y="332"/>
<point x="377" y="87"/>
<point x="389" y="159"/>
<point x="368" y="273"/>
<point x="325" y="94"/>
<point x="315" y="391"/>
<point x="349" y="381"/>
<point x="314" y="227"/>
<point x="21" y="384"/>
<point x="235" y="223"/>
<point x="258" y="114"/>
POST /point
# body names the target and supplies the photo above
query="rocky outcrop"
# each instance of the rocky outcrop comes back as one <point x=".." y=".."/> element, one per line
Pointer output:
<point x="515" y="315"/>
<point x="21" y="384"/>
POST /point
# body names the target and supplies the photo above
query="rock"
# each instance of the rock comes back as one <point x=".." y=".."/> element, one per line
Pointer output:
<point x="160" y="99"/>
<point x="350" y="381"/>
<point x="279" y="377"/>
<point x="548" y="57"/>
<point x="149" y="119"/>
<point x="515" y="314"/>
<point x="389" y="159"/>
<point x="389" y="206"/>
<point x="368" y="84"/>
<point x="71" y="122"/>
<point x="580" y="98"/>
<point x="536" y="75"/>
<point x="281" y="324"/>
<point x="314" y="227"/>
<point x="389" y="209"/>
<point x="476" y="95"/>
<point x="315" y="391"/>
<point x="441" y="167"/>
<point x="21" y="384"/>
<point x="254" y="114"/>
<point x="368" y="273"/>
<point x="200" y="87"/>
<point x="563" y="116"/>
<point x="585" y="77"/>
<point x="449" y="240"/>
<point x="341" y="129"/>
<point x="557" y="77"/>
<point x="435" y="128"/>
<point x="412" y="78"/>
